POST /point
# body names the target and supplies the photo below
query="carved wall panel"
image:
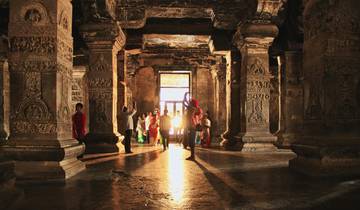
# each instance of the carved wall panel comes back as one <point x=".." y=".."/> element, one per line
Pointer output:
<point x="40" y="45"/>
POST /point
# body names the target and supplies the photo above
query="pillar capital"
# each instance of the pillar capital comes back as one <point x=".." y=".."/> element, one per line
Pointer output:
<point x="103" y="36"/>
<point x="255" y="37"/>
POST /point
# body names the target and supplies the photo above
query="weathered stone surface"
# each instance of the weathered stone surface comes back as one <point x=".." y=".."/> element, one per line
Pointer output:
<point x="4" y="99"/>
<point x="40" y="64"/>
<point x="330" y="141"/>
<point x="292" y="100"/>
<point x="225" y="14"/>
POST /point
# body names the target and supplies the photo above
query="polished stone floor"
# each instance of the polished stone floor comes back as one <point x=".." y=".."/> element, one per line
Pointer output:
<point x="153" y="179"/>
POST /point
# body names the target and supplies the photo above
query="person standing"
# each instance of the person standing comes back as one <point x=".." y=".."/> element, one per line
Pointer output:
<point x="193" y="120"/>
<point x="128" y="117"/>
<point x="165" y="125"/>
<point x="206" y="125"/>
<point x="147" y="126"/>
<point x="78" y="121"/>
<point x="153" y="129"/>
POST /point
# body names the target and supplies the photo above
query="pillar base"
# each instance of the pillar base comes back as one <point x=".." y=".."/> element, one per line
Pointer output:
<point x="285" y="140"/>
<point x="9" y="194"/>
<point x="102" y="143"/>
<point x="326" y="161"/>
<point x="45" y="163"/>
<point x="250" y="142"/>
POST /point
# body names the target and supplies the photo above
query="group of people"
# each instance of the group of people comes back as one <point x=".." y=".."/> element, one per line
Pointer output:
<point x="152" y="127"/>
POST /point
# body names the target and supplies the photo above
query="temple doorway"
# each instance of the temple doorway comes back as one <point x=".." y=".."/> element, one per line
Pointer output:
<point x="173" y="87"/>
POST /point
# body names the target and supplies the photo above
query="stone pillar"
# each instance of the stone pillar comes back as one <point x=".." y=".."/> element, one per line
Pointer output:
<point x="255" y="135"/>
<point x="79" y="91"/>
<point x="291" y="119"/>
<point x="4" y="99"/>
<point x="221" y="114"/>
<point x="233" y="99"/>
<point x="103" y="133"/>
<point x="121" y="89"/>
<point x="40" y="65"/>
<point x="330" y="144"/>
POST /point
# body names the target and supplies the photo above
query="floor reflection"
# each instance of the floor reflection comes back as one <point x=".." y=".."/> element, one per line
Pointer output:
<point x="176" y="173"/>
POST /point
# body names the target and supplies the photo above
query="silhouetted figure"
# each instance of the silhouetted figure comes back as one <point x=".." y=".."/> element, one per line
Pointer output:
<point x="165" y="125"/>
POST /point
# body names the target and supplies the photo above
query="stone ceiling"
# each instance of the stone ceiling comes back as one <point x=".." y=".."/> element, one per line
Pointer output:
<point x="176" y="41"/>
<point x="225" y="14"/>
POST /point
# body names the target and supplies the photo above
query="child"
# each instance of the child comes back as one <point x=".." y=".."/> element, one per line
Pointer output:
<point x="79" y="120"/>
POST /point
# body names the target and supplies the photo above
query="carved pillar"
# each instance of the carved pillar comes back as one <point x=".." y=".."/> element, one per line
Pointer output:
<point x="291" y="99"/>
<point x="4" y="99"/>
<point x="40" y="65"/>
<point x="219" y="76"/>
<point x="330" y="144"/>
<point x="79" y="91"/>
<point x="103" y="133"/>
<point x="255" y="135"/>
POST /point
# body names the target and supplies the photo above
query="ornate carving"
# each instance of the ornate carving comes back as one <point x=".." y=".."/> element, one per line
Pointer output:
<point x="100" y="65"/>
<point x="33" y="85"/>
<point x="256" y="116"/>
<point x="32" y="16"/>
<point x="77" y="88"/>
<point x="42" y="45"/>
<point x="256" y="68"/>
<point x="34" y="13"/>
<point x="100" y="95"/>
<point x="65" y="51"/>
<point x="100" y="83"/>
<point x="22" y="127"/>
<point x="63" y="21"/>
<point x="32" y="111"/>
<point x="33" y="66"/>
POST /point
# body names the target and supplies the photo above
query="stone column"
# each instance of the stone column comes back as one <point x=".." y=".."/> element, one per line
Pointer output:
<point x="104" y="41"/>
<point x="121" y="89"/>
<point x="255" y="135"/>
<point x="40" y="65"/>
<point x="291" y="100"/>
<point x="4" y="99"/>
<point x="330" y="144"/>
<point x="221" y="79"/>
<point x="233" y="99"/>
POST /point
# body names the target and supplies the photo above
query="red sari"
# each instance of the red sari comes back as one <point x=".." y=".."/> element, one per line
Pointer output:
<point x="78" y="120"/>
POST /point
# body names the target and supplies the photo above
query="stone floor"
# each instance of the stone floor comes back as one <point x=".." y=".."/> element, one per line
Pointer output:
<point x="152" y="179"/>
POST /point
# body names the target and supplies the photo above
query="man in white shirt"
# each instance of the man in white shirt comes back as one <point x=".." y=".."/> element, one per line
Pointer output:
<point x="128" y="117"/>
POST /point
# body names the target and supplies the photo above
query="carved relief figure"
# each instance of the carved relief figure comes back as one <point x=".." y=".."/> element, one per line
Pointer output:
<point x="100" y="65"/>
<point x="33" y="16"/>
<point x="256" y="68"/>
<point x="256" y="116"/>
<point x="33" y="85"/>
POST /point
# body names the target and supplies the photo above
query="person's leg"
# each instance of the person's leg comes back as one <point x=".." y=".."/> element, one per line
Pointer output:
<point x="192" y="136"/>
<point x="167" y="138"/>
<point x="162" y="132"/>
<point x="130" y="135"/>
<point x="127" y="141"/>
